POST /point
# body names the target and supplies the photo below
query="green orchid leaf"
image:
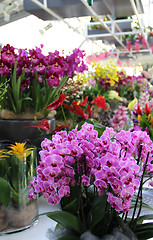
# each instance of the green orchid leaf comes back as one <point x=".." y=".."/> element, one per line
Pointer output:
<point x="145" y="217"/>
<point x="144" y="231"/>
<point x="36" y="92"/>
<point x="4" y="192"/>
<point x="144" y="205"/>
<point x="56" y="90"/>
<point x="14" y="89"/>
<point x="72" y="207"/>
<point x="68" y="238"/>
<point x="97" y="211"/>
<point x="66" y="219"/>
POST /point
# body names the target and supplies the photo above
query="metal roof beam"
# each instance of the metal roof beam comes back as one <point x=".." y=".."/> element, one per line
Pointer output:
<point x="51" y="12"/>
<point x="140" y="24"/>
<point x="110" y="5"/>
<point x="92" y="10"/>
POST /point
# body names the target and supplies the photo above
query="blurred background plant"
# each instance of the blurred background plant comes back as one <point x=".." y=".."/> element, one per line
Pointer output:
<point x="34" y="80"/>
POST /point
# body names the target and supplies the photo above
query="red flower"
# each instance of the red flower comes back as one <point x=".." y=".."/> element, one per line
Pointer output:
<point x="100" y="102"/>
<point x="84" y="101"/>
<point x="89" y="109"/>
<point x="61" y="127"/>
<point x="139" y="111"/>
<point x="43" y="125"/>
<point x="76" y="109"/>
<point x="147" y="110"/>
<point x="56" y="103"/>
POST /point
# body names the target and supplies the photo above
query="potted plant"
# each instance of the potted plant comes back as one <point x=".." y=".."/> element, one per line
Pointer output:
<point x="17" y="167"/>
<point x="33" y="81"/>
<point x="98" y="182"/>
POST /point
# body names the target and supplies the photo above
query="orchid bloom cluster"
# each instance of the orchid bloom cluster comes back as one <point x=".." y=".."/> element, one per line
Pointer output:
<point x="73" y="89"/>
<point x="80" y="157"/>
<point x="142" y="83"/>
<point x="35" y="79"/>
<point x="107" y="75"/>
<point x="119" y="118"/>
<point x="123" y="79"/>
<point x="143" y="98"/>
<point x="52" y="67"/>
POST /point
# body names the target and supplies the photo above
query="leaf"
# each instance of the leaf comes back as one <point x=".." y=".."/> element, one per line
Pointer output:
<point x="145" y="217"/>
<point x="144" y="226"/>
<point x="66" y="219"/>
<point x="98" y="210"/>
<point x="14" y="176"/>
<point x="144" y="231"/>
<point x="4" y="192"/>
<point x="144" y="205"/>
<point x="68" y="238"/>
<point x="36" y="92"/>
<point x="57" y="89"/>
<point x="72" y="206"/>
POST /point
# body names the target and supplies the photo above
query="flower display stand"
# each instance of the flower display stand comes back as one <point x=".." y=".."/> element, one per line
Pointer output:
<point x="95" y="30"/>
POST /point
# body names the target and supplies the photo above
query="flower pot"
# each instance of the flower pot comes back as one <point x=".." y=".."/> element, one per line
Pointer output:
<point x="19" y="130"/>
<point x="17" y="211"/>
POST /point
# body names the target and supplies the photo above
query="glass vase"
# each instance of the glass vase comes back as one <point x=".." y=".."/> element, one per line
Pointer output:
<point x="17" y="211"/>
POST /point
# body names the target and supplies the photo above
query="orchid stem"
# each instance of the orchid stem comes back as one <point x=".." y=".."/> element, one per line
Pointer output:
<point x="64" y="116"/>
<point x="139" y="196"/>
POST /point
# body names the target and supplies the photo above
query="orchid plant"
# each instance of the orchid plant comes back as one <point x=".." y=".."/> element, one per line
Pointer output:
<point x="143" y="119"/>
<point x="95" y="180"/>
<point x="35" y="79"/>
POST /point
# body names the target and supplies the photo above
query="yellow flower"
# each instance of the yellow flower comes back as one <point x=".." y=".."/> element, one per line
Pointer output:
<point x="2" y="153"/>
<point x="139" y="118"/>
<point x="81" y="77"/>
<point x="114" y="95"/>
<point x="132" y="103"/>
<point x="108" y="72"/>
<point x="150" y="118"/>
<point x="20" y="150"/>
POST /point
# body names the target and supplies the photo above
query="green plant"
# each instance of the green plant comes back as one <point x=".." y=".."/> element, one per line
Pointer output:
<point x="17" y="167"/>
<point x="33" y="79"/>
<point x="96" y="180"/>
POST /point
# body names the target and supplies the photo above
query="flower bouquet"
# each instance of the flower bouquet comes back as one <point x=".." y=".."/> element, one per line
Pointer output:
<point x="35" y="79"/>
<point x="17" y="167"/>
<point x="97" y="181"/>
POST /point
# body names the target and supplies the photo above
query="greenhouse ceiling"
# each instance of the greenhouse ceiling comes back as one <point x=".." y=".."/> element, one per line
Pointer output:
<point x="64" y="10"/>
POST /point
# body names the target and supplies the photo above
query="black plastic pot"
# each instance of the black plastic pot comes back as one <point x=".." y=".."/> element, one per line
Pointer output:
<point x="18" y="130"/>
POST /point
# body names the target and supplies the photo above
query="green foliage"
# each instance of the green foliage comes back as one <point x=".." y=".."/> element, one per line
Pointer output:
<point x="5" y="192"/>
<point x="35" y="97"/>
<point x="66" y="219"/>
<point x="15" y="177"/>
<point x="68" y="238"/>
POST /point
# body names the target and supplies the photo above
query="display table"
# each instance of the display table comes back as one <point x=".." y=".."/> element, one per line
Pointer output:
<point x="39" y="231"/>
